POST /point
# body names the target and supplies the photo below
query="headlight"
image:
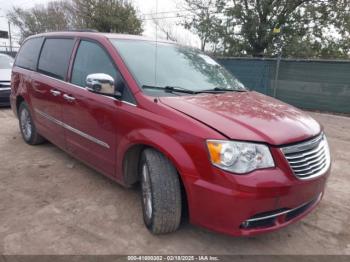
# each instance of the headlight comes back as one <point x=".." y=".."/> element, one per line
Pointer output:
<point x="239" y="157"/>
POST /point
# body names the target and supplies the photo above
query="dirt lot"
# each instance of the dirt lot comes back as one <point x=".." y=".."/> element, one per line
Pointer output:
<point x="52" y="204"/>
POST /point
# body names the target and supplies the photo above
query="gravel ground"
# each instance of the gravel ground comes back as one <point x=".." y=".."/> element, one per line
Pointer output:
<point x="53" y="204"/>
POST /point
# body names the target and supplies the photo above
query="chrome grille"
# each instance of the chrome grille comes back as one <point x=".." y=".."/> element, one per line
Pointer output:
<point x="310" y="158"/>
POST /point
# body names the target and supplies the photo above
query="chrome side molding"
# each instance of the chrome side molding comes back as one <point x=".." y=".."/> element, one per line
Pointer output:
<point x="72" y="129"/>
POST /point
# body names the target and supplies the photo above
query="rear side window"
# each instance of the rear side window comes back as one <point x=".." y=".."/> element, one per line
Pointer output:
<point x="54" y="58"/>
<point x="29" y="52"/>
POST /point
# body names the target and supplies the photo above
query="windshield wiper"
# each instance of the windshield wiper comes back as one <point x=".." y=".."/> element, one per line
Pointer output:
<point x="170" y="89"/>
<point x="220" y="90"/>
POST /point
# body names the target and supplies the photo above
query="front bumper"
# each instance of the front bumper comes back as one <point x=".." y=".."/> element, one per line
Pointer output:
<point x="5" y="97"/>
<point x="263" y="201"/>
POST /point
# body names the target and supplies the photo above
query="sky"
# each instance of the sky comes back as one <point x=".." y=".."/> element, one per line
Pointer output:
<point x="144" y="7"/>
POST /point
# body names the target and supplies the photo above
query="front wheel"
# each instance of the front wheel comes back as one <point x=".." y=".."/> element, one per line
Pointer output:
<point x="27" y="126"/>
<point x="161" y="193"/>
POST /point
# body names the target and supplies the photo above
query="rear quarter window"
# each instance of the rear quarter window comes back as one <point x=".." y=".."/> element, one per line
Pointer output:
<point x="28" y="55"/>
<point x="55" y="56"/>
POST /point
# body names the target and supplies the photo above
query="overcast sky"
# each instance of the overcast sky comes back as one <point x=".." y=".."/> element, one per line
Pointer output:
<point x="144" y="7"/>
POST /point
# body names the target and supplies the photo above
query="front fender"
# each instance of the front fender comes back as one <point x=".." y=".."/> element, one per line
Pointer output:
<point x="167" y="145"/>
<point x="162" y="142"/>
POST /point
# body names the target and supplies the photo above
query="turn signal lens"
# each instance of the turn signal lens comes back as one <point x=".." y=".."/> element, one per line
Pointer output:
<point x="215" y="152"/>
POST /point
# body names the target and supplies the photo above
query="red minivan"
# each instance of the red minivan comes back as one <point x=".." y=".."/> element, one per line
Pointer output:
<point x="173" y="119"/>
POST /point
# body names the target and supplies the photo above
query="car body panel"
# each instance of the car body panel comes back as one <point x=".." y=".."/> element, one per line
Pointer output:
<point x="47" y="107"/>
<point x="5" y="86"/>
<point x="224" y="210"/>
<point x="5" y="97"/>
<point x="91" y="124"/>
<point x="5" y="75"/>
<point x="100" y="131"/>
<point x="248" y="116"/>
<point x="21" y="80"/>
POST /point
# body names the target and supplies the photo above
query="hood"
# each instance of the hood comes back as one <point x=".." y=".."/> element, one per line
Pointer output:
<point x="5" y="75"/>
<point x="248" y="116"/>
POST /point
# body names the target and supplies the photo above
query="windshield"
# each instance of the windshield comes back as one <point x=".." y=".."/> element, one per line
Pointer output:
<point x="174" y="66"/>
<point x="6" y="62"/>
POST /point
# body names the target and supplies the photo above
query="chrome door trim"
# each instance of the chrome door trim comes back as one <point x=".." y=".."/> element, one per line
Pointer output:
<point x="72" y="129"/>
<point x="55" y="92"/>
<point x="69" y="98"/>
<point x="127" y="103"/>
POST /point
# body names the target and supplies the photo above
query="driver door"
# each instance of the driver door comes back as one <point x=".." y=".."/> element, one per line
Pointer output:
<point x="90" y="118"/>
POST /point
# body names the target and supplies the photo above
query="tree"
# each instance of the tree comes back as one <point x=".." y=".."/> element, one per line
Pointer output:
<point x="317" y="30"/>
<point x="246" y="27"/>
<point x="170" y="30"/>
<point x="258" y="19"/>
<point x="166" y="28"/>
<point x="53" y="17"/>
<point x="203" y="20"/>
<point x="115" y="16"/>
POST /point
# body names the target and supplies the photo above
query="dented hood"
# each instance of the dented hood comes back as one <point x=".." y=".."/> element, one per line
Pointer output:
<point x="248" y="116"/>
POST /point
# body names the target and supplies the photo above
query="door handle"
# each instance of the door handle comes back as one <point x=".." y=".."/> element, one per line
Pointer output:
<point x="55" y="92"/>
<point x="68" y="98"/>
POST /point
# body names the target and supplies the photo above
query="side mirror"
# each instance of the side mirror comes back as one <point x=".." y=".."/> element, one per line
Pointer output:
<point x="102" y="84"/>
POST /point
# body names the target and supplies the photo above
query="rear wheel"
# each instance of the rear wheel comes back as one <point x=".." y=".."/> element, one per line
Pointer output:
<point x="161" y="193"/>
<point x="27" y="126"/>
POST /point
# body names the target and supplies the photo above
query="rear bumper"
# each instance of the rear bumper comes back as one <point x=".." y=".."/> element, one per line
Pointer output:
<point x="5" y="97"/>
<point x="245" y="210"/>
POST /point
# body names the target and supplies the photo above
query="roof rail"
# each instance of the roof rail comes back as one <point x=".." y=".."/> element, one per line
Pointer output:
<point x="82" y="30"/>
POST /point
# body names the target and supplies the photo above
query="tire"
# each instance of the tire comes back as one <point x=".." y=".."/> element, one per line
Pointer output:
<point x="161" y="193"/>
<point x="27" y="126"/>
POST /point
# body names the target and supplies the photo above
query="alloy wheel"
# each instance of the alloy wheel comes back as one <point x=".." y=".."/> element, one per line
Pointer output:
<point x="26" y="124"/>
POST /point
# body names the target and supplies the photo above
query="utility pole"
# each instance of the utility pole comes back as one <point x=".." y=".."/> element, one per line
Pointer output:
<point x="278" y="32"/>
<point x="10" y="36"/>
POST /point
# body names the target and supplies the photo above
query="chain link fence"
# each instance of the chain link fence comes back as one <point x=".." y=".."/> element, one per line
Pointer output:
<point x="322" y="85"/>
